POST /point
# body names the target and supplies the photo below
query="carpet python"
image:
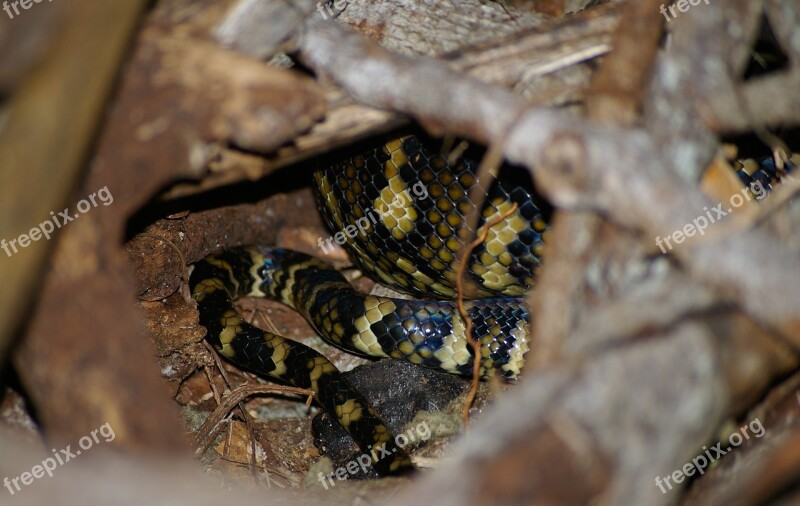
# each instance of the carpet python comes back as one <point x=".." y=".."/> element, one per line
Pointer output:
<point x="397" y="209"/>
<point x="405" y="204"/>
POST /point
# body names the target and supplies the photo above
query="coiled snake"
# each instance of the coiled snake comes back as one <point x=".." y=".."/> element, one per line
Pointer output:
<point x="399" y="208"/>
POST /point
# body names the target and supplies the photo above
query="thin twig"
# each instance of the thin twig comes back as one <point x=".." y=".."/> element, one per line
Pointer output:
<point x="484" y="177"/>
<point x="208" y="431"/>
<point x="476" y="345"/>
<point x="210" y="350"/>
<point x="249" y="421"/>
<point x="202" y="440"/>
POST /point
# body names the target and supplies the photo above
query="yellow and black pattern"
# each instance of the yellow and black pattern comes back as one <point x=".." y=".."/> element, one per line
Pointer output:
<point x="400" y="209"/>
<point x="214" y="283"/>
<point x="427" y="333"/>
<point x="405" y="206"/>
<point x="763" y="171"/>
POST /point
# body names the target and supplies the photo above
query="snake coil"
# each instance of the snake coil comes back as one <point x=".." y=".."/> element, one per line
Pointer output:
<point x="407" y="206"/>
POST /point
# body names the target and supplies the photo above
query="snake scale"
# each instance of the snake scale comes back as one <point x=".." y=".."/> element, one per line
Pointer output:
<point x="400" y="207"/>
<point x="397" y="209"/>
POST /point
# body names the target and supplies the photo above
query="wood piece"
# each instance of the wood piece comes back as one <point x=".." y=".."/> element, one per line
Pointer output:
<point x="414" y="27"/>
<point x="83" y="329"/>
<point x="770" y="101"/>
<point x="540" y="62"/>
<point x="50" y="122"/>
<point x="576" y="163"/>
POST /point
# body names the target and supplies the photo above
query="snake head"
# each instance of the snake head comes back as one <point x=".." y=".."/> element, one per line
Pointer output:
<point x="275" y="270"/>
<point x="271" y="262"/>
<point x="282" y="272"/>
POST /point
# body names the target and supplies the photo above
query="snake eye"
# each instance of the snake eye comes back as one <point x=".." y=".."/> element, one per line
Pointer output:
<point x="266" y="270"/>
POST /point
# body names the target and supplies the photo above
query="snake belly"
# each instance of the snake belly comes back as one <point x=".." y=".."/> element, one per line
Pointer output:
<point x="409" y="244"/>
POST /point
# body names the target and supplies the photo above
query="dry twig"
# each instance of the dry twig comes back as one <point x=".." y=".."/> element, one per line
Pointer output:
<point x="476" y="345"/>
<point x="205" y="434"/>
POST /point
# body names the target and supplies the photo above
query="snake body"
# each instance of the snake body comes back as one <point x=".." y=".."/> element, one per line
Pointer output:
<point x="409" y="243"/>
<point x="215" y="282"/>
<point x="411" y="203"/>
<point x="764" y="172"/>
